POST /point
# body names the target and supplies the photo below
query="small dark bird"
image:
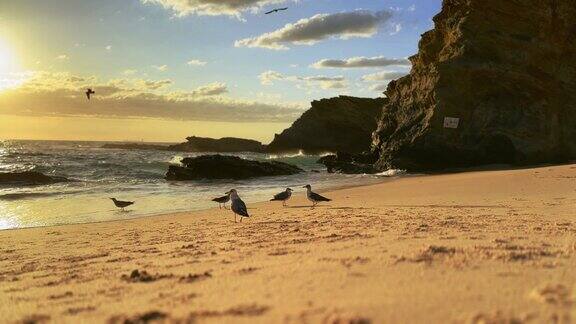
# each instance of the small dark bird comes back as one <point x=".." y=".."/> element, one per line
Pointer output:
<point x="122" y="204"/>
<point x="238" y="206"/>
<point x="275" y="10"/>
<point x="89" y="92"/>
<point x="222" y="200"/>
<point x="283" y="196"/>
<point x="314" y="197"/>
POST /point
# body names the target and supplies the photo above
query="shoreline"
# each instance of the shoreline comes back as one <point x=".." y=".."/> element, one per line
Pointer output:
<point x="384" y="179"/>
<point x="398" y="251"/>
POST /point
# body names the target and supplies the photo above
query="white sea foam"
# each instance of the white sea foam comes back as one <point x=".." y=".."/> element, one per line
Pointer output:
<point x="391" y="173"/>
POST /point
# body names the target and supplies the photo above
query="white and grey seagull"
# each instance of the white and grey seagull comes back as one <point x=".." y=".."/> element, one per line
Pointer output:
<point x="314" y="197"/>
<point x="283" y="196"/>
<point x="238" y="206"/>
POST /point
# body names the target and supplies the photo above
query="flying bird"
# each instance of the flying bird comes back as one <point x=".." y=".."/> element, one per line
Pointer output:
<point x="314" y="197"/>
<point x="283" y="196"/>
<point x="222" y="200"/>
<point x="89" y="92"/>
<point x="238" y="206"/>
<point x="275" y="10"/>
<point x="122" y="204"/>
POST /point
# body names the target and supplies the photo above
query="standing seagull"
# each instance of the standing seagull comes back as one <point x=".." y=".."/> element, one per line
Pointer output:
<point x="238" y="206"/>
<point x="283" y="196"/>
<point x="314" y="197"/>
<point x="122" y="204"/>
<point x="275" y="10"/>
<point x="89" y="92"/>
<point x="222" y="200"/>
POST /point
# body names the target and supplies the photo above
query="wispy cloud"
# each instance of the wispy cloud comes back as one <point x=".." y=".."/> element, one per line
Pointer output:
<point x="361" y="62"/>
<point x="62" y="94"/>
<point x="384" y="76"/>
<point x="324" y="82"/>
<point x="160" y="68"/>
<point x="309" y="31"/>
<point x="195" y="62"/>
<point x="183" y="8"/>
<point x="62" y="57"/>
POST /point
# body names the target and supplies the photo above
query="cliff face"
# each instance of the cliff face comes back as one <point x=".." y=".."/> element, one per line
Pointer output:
<point x="335" y="124"/>
<point x="505" y="71"/>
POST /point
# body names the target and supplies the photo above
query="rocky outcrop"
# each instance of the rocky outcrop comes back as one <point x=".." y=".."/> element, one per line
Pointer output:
<point x="225" y="144"/>
<point x="227" y="167"/>
<point x="494" y="82"/>
<point x="347" y="163"/>
<point x="28" y="178"/>
<point x="196" y="144"/>
<point x="331" y="125"/>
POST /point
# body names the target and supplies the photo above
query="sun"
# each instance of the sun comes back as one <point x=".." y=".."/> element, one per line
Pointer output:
<point x="9" y="67"/>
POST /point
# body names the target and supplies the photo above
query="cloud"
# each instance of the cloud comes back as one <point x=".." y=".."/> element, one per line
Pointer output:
<point x="309" y="31"/>
<point x="361" y="62"/>
<point x="383" y="76"/>
<point x="62" y="94"/>
<point x="154" y="85"/>
<point x="129" y="72"/>
<point x="160" y="68"/>
<point x="195" y="62"/>
<point x="108" y="48"/>
<point x="183" y="8"/>
<point x="62" y="57"/>
<point x="381" y="87"/>
<point x="212" y="89"/>
<point x="325" y="82"/>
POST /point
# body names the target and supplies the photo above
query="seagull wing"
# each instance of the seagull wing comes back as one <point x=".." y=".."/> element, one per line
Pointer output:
<point x="281" y="196"/>
<point x="269" y="12"/>
<point x="239" y="207"/>
<point x="317" y="197"/>
<point x="282" y="9"/>
<point x="88" y="95"/>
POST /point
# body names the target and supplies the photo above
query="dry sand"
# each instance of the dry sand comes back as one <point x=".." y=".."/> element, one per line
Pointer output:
<point x="476" y="247"/>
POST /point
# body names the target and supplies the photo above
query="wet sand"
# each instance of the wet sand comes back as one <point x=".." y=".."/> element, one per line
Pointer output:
<point x="475" y="247"/>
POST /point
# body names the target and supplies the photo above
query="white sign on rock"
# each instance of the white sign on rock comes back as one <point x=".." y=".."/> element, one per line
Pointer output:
<point x="451" y="122"/>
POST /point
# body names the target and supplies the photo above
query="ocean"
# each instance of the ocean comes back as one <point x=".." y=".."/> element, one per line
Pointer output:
<point x="135" y="175"/>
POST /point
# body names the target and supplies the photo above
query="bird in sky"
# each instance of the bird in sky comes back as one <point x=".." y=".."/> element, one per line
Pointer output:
<point x="122" y="204"/>
<point x="89" y="92"/>
<point x="222" y="200"/>
<point x="283" y="196"/>
<point x="238" y="206"/>
<point x="314" y="197"/>
<point x="275" y="10"/>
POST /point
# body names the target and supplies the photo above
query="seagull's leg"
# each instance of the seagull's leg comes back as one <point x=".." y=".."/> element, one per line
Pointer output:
<point x="241" y="218"/>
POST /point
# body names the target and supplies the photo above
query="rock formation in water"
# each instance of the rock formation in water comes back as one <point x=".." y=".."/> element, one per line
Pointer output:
<point x="28" y="178"/>
<point x="227" y="167"/>
<point x="225" y="144"/>
<point x="494" y="82"/>
<point x="196" y="144"/>
<point x="331" y="125"/>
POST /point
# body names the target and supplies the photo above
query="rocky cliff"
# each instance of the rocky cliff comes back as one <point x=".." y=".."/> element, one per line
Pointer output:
<point x="494" y="82"/>
<point x="330" y="125"/>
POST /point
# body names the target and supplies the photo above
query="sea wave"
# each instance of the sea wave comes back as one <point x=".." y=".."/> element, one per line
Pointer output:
<point x="391" y="173"/>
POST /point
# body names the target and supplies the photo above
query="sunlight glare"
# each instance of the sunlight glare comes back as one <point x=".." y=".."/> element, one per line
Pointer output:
<point x="9" y="67"/>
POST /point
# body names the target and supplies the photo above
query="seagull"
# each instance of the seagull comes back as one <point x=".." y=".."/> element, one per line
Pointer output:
<point x="89" y="92"/>
<point x="238" y="206"/>
<point x="314" y="197"/>
<point x="122" y="204"/>
<point x="275" y="10"/>
<point x="283" y="196"/>
<point x="222" y="200"/>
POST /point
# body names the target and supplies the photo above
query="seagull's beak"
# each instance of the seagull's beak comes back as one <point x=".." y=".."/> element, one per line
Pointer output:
<point x="227" y="193"/>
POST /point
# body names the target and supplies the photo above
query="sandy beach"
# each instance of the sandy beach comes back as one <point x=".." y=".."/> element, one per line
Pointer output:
<point x="473" y="247"/>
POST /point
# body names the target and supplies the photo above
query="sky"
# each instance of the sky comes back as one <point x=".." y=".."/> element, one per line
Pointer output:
<point x="166" y="69"/>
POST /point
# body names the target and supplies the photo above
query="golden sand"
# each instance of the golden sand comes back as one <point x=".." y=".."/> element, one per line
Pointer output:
<point x="476" y="247"/>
